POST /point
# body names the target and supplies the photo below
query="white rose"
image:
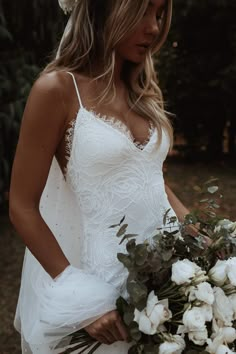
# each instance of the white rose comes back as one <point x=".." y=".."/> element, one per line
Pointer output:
<point x="230" y="270"/>
<point x="222" y="308"/>
<point x="218" y="273"/>
<point x="174" y="347"/>
<point x="223" y="349"/>
<point x="194" y="320"/>
<point x="225" y="334"/>
<point x="154" y="315"/>
<point x="229" y="334"/>
<point x="214" y="344"/>
<point x="184" y="271"/>
<point x="202" y="292"/>
<point x="198" y="337"/>
<point x="207" y="312"/>
<point x="232" y="299"/>
<point x="152" y="300"/>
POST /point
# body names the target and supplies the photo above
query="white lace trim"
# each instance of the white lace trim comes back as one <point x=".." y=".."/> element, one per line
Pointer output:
<point x="115" y="123"/>
<point x="69" y="141"/>
<point x="119" y="125"/>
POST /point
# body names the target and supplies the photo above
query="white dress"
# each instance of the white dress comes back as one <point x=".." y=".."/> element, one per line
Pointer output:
<point x="108" y="176"/>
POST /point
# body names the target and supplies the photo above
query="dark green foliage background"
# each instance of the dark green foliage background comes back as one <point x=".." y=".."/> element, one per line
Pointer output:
<point x="198" y="75"/>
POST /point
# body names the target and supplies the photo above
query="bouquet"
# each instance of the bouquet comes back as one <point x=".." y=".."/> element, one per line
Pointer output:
<point x="182" y="289"/>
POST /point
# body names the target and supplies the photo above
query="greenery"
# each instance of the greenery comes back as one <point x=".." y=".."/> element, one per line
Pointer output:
<point x="197" y="70"/>
<point x="28" y="32"/>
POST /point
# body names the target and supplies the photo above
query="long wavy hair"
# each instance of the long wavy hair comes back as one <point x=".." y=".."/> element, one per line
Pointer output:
<point x="96" y="27"/>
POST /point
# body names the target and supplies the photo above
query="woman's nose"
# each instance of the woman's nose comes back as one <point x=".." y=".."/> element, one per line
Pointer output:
<point x="153" y="27"/>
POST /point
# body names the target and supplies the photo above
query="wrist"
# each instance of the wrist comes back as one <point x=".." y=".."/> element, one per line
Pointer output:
<point x="59" y="270"/>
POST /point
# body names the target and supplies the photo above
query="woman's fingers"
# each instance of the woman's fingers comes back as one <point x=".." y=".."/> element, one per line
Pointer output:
<point x="116" y="332"/>
<point x="108" y="329"/>
<point x="122" y="330"/>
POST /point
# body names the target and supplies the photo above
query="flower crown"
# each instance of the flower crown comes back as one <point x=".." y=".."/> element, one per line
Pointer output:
<point x="67" y="5"/>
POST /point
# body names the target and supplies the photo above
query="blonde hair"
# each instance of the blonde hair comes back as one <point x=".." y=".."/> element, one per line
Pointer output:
<point x="96" y="28"/>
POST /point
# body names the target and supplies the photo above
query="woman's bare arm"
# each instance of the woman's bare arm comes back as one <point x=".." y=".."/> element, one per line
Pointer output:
<point x="180" y="210"/>
<point x="41" y="131"/>
<point x="176" y="204"/>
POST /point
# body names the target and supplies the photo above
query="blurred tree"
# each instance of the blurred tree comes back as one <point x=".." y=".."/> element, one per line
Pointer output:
<point x="28" y="33"/>
<point x="197" y="68"/>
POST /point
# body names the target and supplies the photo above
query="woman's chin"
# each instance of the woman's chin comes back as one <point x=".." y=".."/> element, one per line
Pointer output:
<point x="138" y="59"/>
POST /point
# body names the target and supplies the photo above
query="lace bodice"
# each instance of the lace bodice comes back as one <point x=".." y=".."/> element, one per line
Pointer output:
<point x="111" y="176"/>
<point x="114" y="123"/>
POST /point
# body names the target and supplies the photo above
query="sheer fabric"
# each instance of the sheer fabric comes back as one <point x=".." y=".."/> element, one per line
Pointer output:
<point x="107" y="176"/>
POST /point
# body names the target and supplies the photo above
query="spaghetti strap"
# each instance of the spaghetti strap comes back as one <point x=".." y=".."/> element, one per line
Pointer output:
<point x="76" y="88"/>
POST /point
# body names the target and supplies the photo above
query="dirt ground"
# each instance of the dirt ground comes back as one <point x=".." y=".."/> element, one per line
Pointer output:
<point x="181" y="177"/>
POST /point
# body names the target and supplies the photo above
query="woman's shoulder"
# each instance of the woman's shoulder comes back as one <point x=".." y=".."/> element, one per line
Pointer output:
<point x="52" y="82"/>
<point x="60" y="83"/>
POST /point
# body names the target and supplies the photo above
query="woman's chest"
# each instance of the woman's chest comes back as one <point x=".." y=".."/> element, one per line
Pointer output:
<point x="98" y="147"/>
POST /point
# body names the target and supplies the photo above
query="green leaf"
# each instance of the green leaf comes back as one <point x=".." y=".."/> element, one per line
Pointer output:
<point x="151" y="349"/>
<point x="166" y="256"/>
<point x="204" y="200"/>
<point x="213" y="189"/>
<point x="130" y="246"/>
<point x="128" y="317"/>
<point x="122" y="230"/>
<point x="122" y="220"/>
<point x="137" y="291"/>
<point x="166" y="215"/>
<point x="216" y="206"/>
<point x="125" y="259"/>
<point x="210" y="181"/>
<point x="173" y="219"/>
<point x="141" y="254"/>
<point x="115" y="225"/>
<point x="121" y="305"/>
<point x="134" y="331"/>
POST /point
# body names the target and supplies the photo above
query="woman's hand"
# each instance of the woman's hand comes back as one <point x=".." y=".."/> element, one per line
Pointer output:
<point x="108" y="328"/>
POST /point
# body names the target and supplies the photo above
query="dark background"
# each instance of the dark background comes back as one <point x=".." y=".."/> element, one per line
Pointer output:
<point x="197" y="72"/>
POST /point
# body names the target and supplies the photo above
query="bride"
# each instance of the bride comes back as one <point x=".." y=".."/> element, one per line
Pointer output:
<point x="92" y="143"/>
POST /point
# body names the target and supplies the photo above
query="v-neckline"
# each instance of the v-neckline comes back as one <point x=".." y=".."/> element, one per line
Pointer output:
<point x="106" y="120"/>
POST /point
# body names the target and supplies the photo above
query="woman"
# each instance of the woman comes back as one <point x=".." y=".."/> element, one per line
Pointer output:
<point x="93" y="140"/>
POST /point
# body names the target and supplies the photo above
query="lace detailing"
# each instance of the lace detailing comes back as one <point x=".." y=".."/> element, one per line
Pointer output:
<point x="120" y="126"/>
<point x="69" y="141"/>
<point x="114" y="123"/>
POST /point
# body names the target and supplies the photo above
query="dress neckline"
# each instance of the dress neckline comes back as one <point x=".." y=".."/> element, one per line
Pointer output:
<point x="109" y="122"/>
<point x="121" y="128"/>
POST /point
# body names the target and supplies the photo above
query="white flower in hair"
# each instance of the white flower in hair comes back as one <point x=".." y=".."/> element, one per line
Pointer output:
<point x="67" y="5"/>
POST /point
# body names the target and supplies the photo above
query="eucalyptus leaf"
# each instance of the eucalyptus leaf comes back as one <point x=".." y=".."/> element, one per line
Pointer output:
<point x="137" y="291"/>
<point x="166" y="256"/>
<point x="122" y="230"/>
<point x="130" y="246"/>
<point x="122" y="220"/>
<point x="128" y="317"/>
<point x="141" y="254"/>
<point x="211" y="180"/>
<point x="213" y="189"/>
<point x="121" y="305"/>
<point x="125" y="259"/>
<point x="134" y="331"/>
<point x="115" y="225"/>
<point x="166" y="216"/>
